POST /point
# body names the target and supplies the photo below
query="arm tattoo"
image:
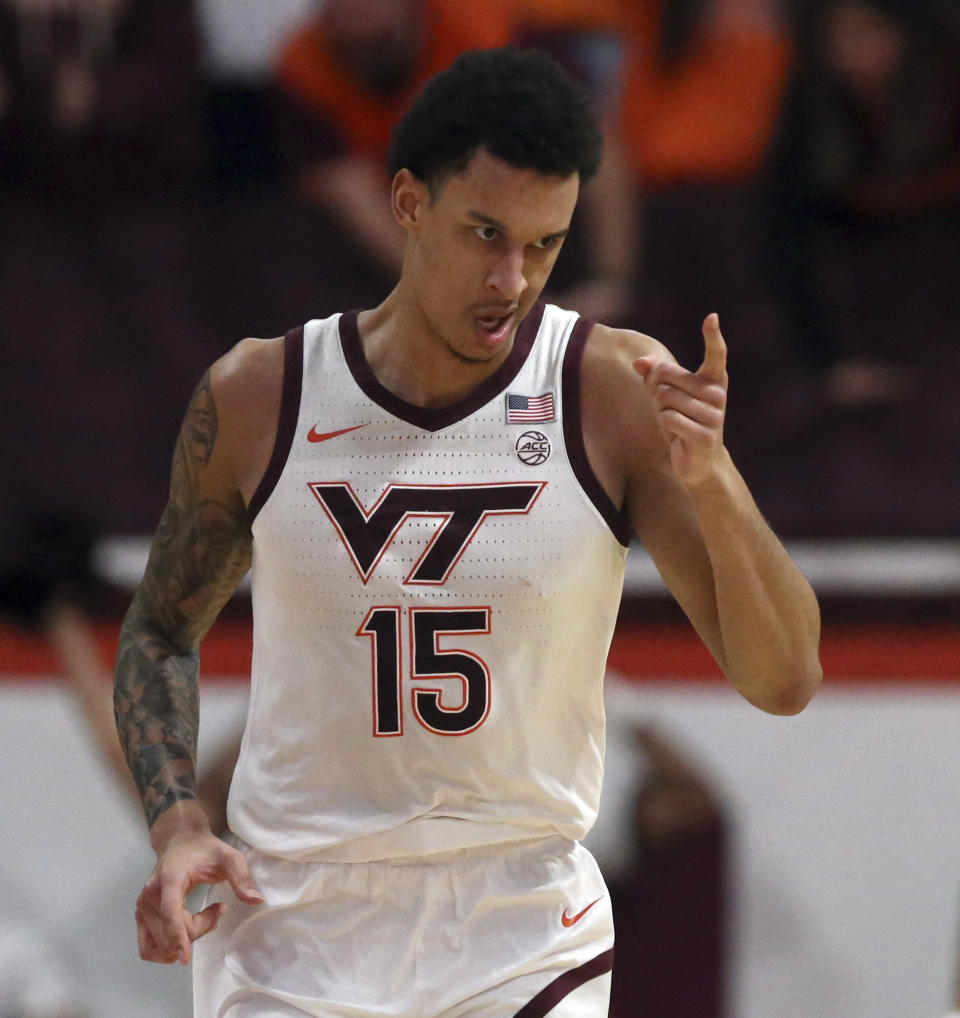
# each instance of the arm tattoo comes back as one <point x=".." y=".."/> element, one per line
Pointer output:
<point x="202" y="423"/>
<point x="201" y="550"/>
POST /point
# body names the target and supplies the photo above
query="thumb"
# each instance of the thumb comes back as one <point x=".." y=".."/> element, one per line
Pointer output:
<point x="203" y="922"/>
<point x="238" y="876"/>
<point x="644" y="365"/>
<point x="714" y="366"/>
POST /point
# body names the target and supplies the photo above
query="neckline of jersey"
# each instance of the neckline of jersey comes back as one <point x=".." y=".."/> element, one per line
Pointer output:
<point x="442" y="417"/>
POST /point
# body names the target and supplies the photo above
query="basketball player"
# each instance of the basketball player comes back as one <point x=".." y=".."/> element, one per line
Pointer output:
<point x="437" y="497"/>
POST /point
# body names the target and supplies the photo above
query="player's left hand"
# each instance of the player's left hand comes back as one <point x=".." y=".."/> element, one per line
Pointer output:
<point x="691" y="405"/>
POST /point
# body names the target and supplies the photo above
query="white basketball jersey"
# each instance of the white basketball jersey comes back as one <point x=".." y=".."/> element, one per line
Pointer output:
<point x="434" y="594"/>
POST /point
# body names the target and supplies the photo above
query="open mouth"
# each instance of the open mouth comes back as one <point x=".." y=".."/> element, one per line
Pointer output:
<point x="495" y="328"/>
<point x="491" y="323"/>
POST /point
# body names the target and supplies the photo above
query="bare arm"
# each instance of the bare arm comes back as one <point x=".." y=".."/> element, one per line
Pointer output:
<point x="694" y="514"/>
<point x="200" y="552"/>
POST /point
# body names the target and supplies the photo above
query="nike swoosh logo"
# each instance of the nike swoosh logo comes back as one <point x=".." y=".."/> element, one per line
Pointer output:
<point x="572" y="920"/>
<point x="316" y="436"/>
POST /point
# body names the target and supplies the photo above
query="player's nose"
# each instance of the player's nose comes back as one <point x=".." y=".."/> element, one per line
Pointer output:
<point x="507" y="275"/>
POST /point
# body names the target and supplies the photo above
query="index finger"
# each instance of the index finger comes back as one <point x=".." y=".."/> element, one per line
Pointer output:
<point x="714" y="366"/>
<point x="150" y="935"/>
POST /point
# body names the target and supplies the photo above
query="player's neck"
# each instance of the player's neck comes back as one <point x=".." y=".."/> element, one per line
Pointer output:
<point x="411" y="360"/>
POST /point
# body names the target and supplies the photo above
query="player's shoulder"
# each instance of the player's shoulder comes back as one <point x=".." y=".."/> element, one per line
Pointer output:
<point x="618" y="415"/>
<point x="249" y="357"/>
<point x="251" y="370"/>
<point x="612" y="347"/>
<point x="246" y="391"/>
<point x="609" y="356"/>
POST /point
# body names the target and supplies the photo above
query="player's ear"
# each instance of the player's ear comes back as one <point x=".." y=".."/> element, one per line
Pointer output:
<point x="409" y="198"/>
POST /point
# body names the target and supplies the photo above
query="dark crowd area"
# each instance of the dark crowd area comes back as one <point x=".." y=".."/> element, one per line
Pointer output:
<point x="794" y="167"/>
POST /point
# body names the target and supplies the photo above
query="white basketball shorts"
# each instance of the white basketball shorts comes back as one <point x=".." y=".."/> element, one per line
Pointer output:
<point x="518" y="931"/>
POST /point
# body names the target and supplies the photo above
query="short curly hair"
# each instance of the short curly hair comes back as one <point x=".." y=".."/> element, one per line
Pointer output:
<point x="518" y="104"/>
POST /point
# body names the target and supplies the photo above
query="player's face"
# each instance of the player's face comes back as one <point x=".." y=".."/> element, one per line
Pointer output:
<point x="483" y="247"/>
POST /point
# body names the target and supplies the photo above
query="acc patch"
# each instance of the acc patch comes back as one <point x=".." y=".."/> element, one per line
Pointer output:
<point x="533" y="448"/>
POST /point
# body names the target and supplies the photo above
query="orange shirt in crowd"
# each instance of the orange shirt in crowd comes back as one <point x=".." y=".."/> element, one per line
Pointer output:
<point x="710" y="116"/>
<point x="547" y="15"/>
<point x="308" y="71"/>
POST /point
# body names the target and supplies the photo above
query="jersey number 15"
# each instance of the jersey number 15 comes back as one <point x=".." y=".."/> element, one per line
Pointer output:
<point x="427" y="661"/>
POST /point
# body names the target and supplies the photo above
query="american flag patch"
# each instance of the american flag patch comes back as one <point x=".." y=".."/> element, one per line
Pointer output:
<point x="523" y="409"/>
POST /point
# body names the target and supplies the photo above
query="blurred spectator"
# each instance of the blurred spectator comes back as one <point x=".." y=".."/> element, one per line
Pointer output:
<point x="586" y="39"/>
<point x="353" y="67"/>
<point x="48" y="587"/>
<point x="258" y="270"/>
<point x="669" y="886"/>
<point x="595" y="274"/>
<point x="699" y="90"/>
<point x="347" y="75"/>
<point x="99" y="98"/>
<point x="240" y="39"/>
<point x="569" y="19"/>
<point x="101" y="138"/>
<point x="702" y="82"/>
<point x="866" y="192"/>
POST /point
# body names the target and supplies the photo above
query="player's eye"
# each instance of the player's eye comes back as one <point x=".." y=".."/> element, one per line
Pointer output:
<point x="545" y="243"/>
<point x="486" y="232"/>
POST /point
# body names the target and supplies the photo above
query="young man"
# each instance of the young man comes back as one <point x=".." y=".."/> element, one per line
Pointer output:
<point x="437" y="496"/>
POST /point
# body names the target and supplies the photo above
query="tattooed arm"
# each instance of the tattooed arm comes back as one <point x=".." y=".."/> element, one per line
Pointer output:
<point x="200" y="553"/>
<point x="201" y="550"/>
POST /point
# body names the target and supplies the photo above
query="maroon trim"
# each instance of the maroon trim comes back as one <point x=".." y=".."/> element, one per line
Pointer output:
<point x="554" y="992"/>
<point x="287" y="423"/>
<point x="421" y="417"/>
<point x="617" y="519"/>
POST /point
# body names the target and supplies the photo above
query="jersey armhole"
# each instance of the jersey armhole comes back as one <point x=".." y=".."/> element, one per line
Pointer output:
<point x="616" y="519"/>
<point x="287" y="422"/>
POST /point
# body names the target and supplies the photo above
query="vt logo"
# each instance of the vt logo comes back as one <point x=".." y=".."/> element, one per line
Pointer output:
<point x="461" y="509"/>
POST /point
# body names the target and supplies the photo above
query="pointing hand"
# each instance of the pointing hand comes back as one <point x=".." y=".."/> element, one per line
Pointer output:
<point x="691" y="405"/>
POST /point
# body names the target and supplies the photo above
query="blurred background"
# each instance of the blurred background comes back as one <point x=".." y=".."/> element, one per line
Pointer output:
<point x="176" y="175"/>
